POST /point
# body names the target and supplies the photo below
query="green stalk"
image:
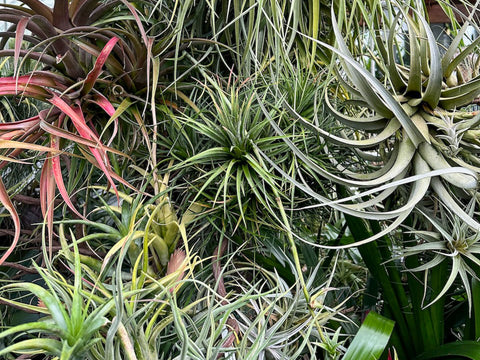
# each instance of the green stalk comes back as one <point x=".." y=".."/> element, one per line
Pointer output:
<point x="293" y="247"/>
<point x="429" y="322"/>
<point x="396" y="281"/>
<point x="472" y="326"/>
<point x="373" y="260"/>
<point x="476" y="306"/>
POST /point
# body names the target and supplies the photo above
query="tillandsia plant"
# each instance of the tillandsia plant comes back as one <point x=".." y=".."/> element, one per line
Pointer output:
<point x="222" y="161"/>
<point x="92" y="318"/>
<point x="89" y="69"/>
<point x="450" y="240"/>
<point x="67" y="113"/>
<point x="146" y="228"/>
<point x="25" y="134"/>
<point x="73" y="317"/>
<point x="407" y="123"/>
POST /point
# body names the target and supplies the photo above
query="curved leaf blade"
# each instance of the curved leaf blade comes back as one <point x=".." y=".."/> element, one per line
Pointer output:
<point x="371" y="339"/>
<point x="467" y="349"/>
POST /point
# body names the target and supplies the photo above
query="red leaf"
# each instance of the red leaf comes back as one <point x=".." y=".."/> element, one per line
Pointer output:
<point x="25" y="125"/>
<point x="56" y="131"/>
<point x="106" y="105"/>
<point x="20" y="31"/>
<point x="97" y="68"/>
<point x="7" y="203"/>
<point x="11" y="134"/>
<point x="42" y="80"/>
<point x="28" y="91"/>
<point x="57" y="174"/>
<point x="113" y="175"/>
<point x="78" y="120"/>
<point x="47" y="197"/>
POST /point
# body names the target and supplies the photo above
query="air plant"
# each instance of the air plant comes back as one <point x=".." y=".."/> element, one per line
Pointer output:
<point x="451" y="240"/>
<point x="72" y="318"/>
<point x="405" y="123"/>
<point x="53" y="123"/>
<point x="88" y="72"/>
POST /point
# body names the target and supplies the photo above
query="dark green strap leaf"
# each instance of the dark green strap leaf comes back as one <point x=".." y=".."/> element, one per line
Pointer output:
<point x="466" y="349"/>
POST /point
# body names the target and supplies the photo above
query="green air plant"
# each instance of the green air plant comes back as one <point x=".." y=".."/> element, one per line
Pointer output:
<point x="450" y="240"/>
<point x="73" y="319"/>
<point x="137" y="225"/>
<point x="97" y="315"/>
<point x="222" y="163"/>
<point x="407" y="124"/>
<point x="226" y="172"/>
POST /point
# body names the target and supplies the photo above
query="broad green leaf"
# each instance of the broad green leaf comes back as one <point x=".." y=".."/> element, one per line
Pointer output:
<point x="372" y="338"/>
<point x="466" y="349"/>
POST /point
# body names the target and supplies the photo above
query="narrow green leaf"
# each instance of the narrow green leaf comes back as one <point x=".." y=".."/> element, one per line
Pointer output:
<point x="49" y="346"/>
<point x="434" y="86"/>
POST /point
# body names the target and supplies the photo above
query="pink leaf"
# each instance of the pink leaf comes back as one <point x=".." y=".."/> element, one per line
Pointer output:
<point x="47" y="197"/>
<point x="113" y="175"/>
<point x="25" y="125"/>
<point x="11" y="134"/>
<point x="20" y="31"/>
<point x="107" y="106"/>
<point x="42" y="80"/>
<point x="28" y="91"/>
<point x="103" y="102"/>
<point x="55" y="130"/>
<point x="57" y="174"/>
<point x="97" y="68"/>
<point x="78" y="120"/>
<point x="7" y="203"/>
<point x="76" y="117"/>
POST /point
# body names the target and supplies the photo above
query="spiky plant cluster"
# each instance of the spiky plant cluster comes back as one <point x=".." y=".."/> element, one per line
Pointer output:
<point x="198" y="165"/>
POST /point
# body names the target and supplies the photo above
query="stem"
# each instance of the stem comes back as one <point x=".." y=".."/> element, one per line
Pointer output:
<point x="291" y="242"/>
